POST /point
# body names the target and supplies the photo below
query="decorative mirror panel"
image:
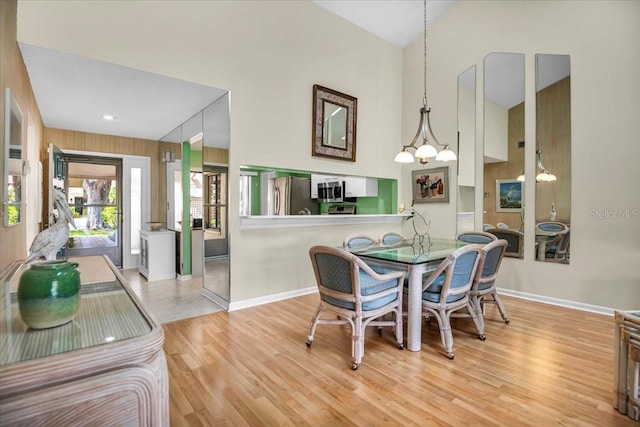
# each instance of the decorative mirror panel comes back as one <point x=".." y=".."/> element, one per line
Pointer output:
<point x="504" y="149"/>
<point x="553" y="158"/>
<point x="466" y="149"/>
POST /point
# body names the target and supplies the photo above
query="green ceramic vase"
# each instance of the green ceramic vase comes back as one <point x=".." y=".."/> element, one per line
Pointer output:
<point x="49" y="294"/>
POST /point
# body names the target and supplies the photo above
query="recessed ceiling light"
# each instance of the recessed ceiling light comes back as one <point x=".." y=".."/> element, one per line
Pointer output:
<point x="108" y="117"/>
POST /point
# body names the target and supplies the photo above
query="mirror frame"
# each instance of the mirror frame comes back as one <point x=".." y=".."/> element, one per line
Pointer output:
<point x="13" y="166"/>
<point x="322" y="148"/>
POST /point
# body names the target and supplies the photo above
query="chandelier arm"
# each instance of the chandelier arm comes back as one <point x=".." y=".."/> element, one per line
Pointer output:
<point x="433" y="136"/>
<point x="539" y="158"/>
<point x="418" y="132"/>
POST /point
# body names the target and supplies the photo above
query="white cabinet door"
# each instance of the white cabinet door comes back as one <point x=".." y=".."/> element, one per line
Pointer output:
<point x="356" y="186"/>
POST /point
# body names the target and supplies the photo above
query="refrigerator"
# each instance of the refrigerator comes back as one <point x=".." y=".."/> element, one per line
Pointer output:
<point x="290" y="196"/>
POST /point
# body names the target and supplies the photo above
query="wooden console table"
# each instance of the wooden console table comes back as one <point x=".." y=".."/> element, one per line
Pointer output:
<point x="106" y="367"/>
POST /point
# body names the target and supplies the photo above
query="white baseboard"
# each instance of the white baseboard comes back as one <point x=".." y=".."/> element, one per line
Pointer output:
<point x="271" y="298"/>
<point x="557" y="301"/>
<point x="516" y="294"/>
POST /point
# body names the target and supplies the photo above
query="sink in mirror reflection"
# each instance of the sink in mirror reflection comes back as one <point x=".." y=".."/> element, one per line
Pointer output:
<point x="504" y="131"/>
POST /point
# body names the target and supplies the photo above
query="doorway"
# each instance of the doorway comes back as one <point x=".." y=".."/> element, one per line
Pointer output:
<point x="94" y="193"/>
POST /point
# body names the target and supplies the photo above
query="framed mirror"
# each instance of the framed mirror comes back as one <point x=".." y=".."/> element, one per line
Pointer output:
<point x="13" y="161"/>
<point x="466" y="150"/>
<point x="334" y="124"/>
<point x="504" y="149"/>
<point x="553" y="158"/>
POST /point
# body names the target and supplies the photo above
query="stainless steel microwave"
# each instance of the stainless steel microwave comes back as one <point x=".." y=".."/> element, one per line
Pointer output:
<point x="331" y="191"/>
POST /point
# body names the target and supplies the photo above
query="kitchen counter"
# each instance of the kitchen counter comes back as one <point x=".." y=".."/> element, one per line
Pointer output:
<point x="267" y="221"/>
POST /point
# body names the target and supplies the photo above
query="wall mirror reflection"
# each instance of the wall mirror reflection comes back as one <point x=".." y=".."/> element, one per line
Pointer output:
<point x="13" y="160"/>
<point x="206" y="189"/>
<point x="466" y="149"/>
<point x="504" y="149"/>
<point x="334" y="124"/>
<point x="553" y="158"/>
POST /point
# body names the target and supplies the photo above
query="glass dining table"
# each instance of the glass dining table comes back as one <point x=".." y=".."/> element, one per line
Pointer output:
<point x="416" y="257"/>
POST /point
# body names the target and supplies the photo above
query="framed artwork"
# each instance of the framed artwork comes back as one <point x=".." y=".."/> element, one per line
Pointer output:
<point x="334" y="124"/>
<point x="509" y="195"/>
<point x="430" y="185"/>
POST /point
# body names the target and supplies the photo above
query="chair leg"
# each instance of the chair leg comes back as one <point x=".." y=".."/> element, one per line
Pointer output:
<point x="399" y="333"/>
<point x="314" y="324"/>
<point x="503" y="312"/>
<point x="475" y="305"/>
<point x="477" y="320"/>
<point x="357" y="343"/>
<point x="446" y="336"/>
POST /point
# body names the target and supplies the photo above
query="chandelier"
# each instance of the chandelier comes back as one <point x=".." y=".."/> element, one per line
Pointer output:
<point x="544" y="175"/>
<point x="426" y="150"/>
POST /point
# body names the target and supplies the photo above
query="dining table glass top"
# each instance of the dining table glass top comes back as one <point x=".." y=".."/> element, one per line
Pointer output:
<point x="413" y="251"/>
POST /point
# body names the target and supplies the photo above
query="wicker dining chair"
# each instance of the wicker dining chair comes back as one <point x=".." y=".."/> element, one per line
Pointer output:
<point x="480" y="237"/>
<point x="446" y="290"/>
<point x="390" y="239"/>
<point x="483" y="289"/>
<point x="515" y="240"/>
<point x="357" y="295"/>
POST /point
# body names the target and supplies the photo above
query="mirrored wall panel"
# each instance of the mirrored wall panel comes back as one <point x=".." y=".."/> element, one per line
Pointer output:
<point x="466" y="149"/>
<point x="504" y="144"/>
<point x="553" y="158"/>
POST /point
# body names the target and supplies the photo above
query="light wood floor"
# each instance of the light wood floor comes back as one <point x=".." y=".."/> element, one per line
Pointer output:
<point x="551" y="366"/>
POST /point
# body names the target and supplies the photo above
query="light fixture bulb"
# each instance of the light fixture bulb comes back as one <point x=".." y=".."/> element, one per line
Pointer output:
<point x="404" y="157"/>
<point x="520" y="177"/>
<point x="546" y="176"/>
<point x="426" y="150"/>
<point x="446" y="155"/>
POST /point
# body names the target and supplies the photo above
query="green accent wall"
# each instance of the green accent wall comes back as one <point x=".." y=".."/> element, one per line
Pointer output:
<point x="385" y="203"/>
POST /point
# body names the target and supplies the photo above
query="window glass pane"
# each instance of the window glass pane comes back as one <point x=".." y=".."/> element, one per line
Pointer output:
<point x="135" y="214"/>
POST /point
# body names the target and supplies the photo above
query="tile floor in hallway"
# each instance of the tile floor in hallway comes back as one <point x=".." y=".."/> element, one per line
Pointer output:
<point x="170" y="300"/>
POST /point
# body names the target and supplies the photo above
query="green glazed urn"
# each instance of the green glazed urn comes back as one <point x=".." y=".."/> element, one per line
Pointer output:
<point x="49" y="294"/>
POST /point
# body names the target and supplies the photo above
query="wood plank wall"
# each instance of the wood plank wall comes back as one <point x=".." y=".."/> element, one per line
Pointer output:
<point x="13" y="74"/>
<point x="553" y="130"/>
<point x="554" y="137"/>
<point x="505" y="170"/>
<point x="110" y="144"/>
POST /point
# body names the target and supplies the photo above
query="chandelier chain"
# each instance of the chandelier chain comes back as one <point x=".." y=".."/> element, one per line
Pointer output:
<point x="424" y="99"/>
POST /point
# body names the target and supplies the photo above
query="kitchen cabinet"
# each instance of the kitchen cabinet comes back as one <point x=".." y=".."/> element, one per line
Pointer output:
<point x="356" y="186"/>
<point x="105" y="367"/>
<point x="157" y="255"/>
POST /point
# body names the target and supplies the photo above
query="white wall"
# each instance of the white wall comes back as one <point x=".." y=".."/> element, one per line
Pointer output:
<point x="602" y="39"/>
<point x="268" y="54"/>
